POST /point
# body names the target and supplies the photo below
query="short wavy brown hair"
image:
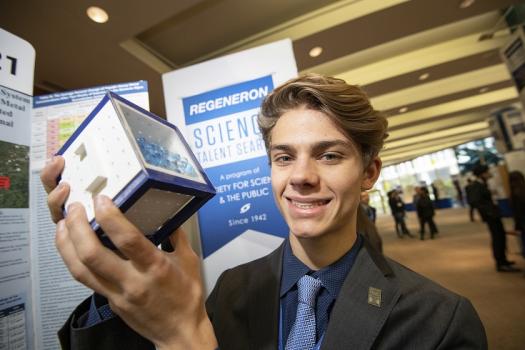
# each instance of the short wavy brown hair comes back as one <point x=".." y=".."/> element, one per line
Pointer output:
<point x="346" y="105"/>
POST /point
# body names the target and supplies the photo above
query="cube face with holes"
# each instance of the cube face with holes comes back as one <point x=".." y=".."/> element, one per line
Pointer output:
<point x="141" y="162"/>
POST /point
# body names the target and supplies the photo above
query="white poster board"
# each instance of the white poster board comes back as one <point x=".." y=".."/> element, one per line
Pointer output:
<point x="215" y="104"/>
<point x="17" y="61"/>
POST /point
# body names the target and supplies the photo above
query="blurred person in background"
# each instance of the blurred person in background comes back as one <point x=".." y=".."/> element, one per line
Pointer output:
<point x="369" y="210"/>
<point x="415" y="197"/>
<point x="517" y="202"/>
<point x="468" y="194"/>
<point x="366" y="218"/>
<point x="425" y="213"/>
<point x="459" y="192"/>
<point x="435" y="191"/>
<point x="397" y="206"/>
<point x="481" y="199"/>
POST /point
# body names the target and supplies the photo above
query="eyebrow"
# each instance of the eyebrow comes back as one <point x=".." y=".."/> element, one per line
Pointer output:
<point x="316" y="147"/>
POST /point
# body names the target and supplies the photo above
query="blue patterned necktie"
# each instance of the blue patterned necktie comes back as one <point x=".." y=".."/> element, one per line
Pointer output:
<point x="302" y="335"/>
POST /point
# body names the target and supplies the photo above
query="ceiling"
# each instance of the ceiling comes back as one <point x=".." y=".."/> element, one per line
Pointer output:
<point x="386" y="46"/>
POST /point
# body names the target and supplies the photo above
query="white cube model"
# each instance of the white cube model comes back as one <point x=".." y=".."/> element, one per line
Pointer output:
<point x="141" y="162"/>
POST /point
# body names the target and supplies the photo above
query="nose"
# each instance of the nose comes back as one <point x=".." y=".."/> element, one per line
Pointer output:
<point x="304" y="173"/>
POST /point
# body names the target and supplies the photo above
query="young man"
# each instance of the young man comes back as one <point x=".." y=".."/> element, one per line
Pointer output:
<point x="325" y="287"/>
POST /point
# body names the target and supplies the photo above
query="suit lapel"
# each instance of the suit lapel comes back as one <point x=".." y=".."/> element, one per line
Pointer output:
<point x="355" y="322"/>
<point x="263" y="301"/>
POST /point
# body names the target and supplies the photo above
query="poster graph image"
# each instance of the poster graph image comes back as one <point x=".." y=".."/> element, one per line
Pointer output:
<point x="59" y="130"/>
<point x="14" y="175"/>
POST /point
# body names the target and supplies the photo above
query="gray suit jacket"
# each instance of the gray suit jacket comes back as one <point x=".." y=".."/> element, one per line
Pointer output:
<point x="414" y="312"/>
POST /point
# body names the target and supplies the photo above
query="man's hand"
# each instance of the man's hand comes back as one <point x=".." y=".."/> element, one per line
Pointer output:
<point x="56" y="195"/>
<point x="158" y="294"/>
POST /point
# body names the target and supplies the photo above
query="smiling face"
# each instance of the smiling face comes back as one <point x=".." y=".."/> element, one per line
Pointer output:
<point x="317" y="175"/>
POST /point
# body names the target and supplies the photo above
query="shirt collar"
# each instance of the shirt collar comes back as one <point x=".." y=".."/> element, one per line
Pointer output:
<point x="332" y="276"/>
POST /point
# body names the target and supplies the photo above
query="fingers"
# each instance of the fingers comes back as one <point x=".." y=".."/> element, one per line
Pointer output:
<point x="56" y="199"/>
<point x="179" y="241"/>
<point x="50" y="173"/>
<point x="78" y="270"/>
<point x="124" y="235"/>
<point x="89" y="250"/>
<point x="56" y="195"/>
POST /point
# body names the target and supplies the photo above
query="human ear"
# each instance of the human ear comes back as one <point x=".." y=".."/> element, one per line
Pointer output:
<point x="371" y="173"/>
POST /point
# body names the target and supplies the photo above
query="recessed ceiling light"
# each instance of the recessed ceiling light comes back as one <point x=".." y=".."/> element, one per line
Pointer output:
<point x="483" y="90"/>
<point x="403" y="109"/>
<point x="96" y="14"/>
<point x="316" y="51"/>
<point x="466" y="3"/>
<point x="424" y="76"/>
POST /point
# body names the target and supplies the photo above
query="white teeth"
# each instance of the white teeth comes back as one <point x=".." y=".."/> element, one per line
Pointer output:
<point x="307" y="205"/>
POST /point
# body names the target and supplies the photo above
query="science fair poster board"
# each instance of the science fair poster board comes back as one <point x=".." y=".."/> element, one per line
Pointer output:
<point x="54" y="118"/>
<point x="216" y="104"/>
<point x="37" y="293"/>
<point x="17" y="62"/>
<point x="514" y="124"/>
<point x="513" y="54"/>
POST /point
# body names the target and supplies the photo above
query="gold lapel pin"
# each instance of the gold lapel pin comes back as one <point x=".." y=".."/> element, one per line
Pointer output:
<point x="374" y="296"/>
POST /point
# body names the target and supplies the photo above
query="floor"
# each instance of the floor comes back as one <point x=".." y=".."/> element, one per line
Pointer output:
<point x="460" y="259"/>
